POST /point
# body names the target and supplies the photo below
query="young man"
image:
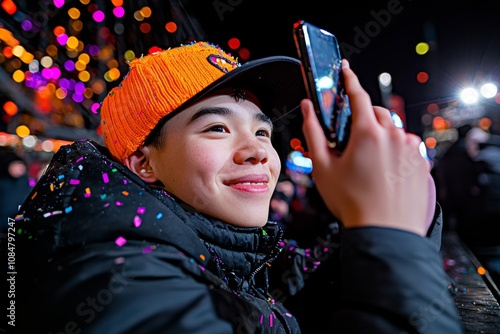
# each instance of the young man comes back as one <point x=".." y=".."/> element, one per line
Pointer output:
<point x="165" y="230"/>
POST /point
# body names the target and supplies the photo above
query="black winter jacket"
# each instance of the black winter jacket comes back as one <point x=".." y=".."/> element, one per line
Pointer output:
<point x="98" y="251"/>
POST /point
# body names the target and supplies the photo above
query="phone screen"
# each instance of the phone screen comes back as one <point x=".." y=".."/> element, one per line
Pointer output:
<point x="322" y="63"/>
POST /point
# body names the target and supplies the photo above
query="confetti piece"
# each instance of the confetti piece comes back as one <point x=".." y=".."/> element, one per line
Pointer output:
<point x="74" y="181"/>
<point x="87" y="193"/>
<point x="105" y="177"/>
<point x="137" y="221"/>
<point x="146" y="250"/>
<point x="202" y="257"/>
<point x="125" y="193"/>
<point x="60" y="176"/>
<point x="141" y="210"/>
<point x="80" y="167"/>
<point x="53" y="213"/>
<point x="271" y="318"/>
<point x="34" y="195"/>
<point x="103" y="196"/>
<point x="120" y="241"/>
<point x="68" y="209"/>
<point x="125" y="181"/>
<point x="159" y="215"/>
<point x="51" y="187"/>
<point x="79" y="159"/>
<point x="118" y="203"/>
<point x="114" y="170"/>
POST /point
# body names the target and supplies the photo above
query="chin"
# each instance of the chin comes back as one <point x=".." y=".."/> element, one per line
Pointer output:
<point x="254" y="222"/>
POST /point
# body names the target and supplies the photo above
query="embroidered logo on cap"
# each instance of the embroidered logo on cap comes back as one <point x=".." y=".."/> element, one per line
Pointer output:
<point x="222" y="63"/>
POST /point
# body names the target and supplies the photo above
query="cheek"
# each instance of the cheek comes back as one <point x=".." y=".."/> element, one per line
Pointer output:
<point x="274" y="163"/>
<point x="199" y="165"/>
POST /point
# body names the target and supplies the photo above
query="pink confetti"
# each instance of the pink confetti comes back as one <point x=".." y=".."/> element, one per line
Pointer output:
<point x="120" y="241"/>
<point x="271" y="317"/>
<point x="137" y="221"/>
<point x="141" y="210"/>
<point x="105" y="177"/>
<point x="73" y="181"/>
<point x="146" y="250"/>
<point x="118" y="203"/>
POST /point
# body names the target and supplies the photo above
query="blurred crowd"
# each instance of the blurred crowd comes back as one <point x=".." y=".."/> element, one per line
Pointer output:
<point x="468" y="188"/>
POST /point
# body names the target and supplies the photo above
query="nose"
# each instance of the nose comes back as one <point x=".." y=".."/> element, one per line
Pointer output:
<point x="251" y="151"/>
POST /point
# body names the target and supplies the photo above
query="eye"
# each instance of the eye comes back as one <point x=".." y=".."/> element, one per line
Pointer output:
<point x="265" y="133"/>
<point x="217" y="128"/>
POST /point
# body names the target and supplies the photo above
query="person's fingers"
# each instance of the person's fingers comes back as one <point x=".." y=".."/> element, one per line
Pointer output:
<point x="361" y="105"/>
<point x="313" y="133"/>
<point x="383" y="116"/>
<point x="417" y="158"/>
<point x="431" y="200"/>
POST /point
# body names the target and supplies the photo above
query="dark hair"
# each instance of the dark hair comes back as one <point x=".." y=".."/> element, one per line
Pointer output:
<point x="155" y="137"/>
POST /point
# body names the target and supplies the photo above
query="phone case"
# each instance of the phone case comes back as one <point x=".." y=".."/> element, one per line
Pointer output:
<point x="319" y="53"/>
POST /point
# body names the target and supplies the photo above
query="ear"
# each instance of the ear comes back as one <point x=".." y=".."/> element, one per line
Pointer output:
<point x="139" y="163"/>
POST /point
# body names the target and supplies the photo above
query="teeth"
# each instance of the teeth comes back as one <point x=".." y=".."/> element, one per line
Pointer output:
<point x="255" y="183"/>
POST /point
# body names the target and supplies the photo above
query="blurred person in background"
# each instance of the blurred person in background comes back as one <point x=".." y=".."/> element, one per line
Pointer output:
<point x="14" y="184"/>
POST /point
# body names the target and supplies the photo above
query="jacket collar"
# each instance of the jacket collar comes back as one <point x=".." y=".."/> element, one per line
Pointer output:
<point x="238" y="251"/>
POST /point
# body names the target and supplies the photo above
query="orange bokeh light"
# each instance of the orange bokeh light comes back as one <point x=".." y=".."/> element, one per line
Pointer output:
<point x="430" y="142"/>
<point x="294" y="143"/>
<point x="171" y="27"/>
<point x="10" y="108"/>
<point x="9" y="6"/>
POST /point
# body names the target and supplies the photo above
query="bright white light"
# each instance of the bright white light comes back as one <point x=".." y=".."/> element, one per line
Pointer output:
<point x="324" y="83"/>
<point x="385" y="79"/>
<point x="488" y="90"/>
<point x="298" y="163"/>
<point x="47" y="145"/>
<point x="469" y="95"/>
<point x="423" y="150"/>
<point x="303" y="162"/>
<point x="29" y="142"/>
<point x="398" y="122"/>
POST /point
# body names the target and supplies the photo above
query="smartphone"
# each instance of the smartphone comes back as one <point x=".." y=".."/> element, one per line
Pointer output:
<point x="319" y="53"/>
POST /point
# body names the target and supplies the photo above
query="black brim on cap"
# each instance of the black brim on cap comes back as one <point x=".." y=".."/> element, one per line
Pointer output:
<point x="276" y="81"/>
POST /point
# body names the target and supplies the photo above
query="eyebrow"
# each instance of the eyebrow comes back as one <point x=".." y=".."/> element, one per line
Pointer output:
<point x="226" y="111"/>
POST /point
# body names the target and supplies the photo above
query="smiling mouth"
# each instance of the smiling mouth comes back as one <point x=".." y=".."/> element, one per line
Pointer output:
<point x="252" y="183"/>
<point x="251" y="187"/>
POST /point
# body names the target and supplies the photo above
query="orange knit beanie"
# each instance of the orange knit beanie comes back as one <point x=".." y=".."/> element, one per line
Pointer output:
<point x="156" y="85"/>
<point x="163" y="82"/>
